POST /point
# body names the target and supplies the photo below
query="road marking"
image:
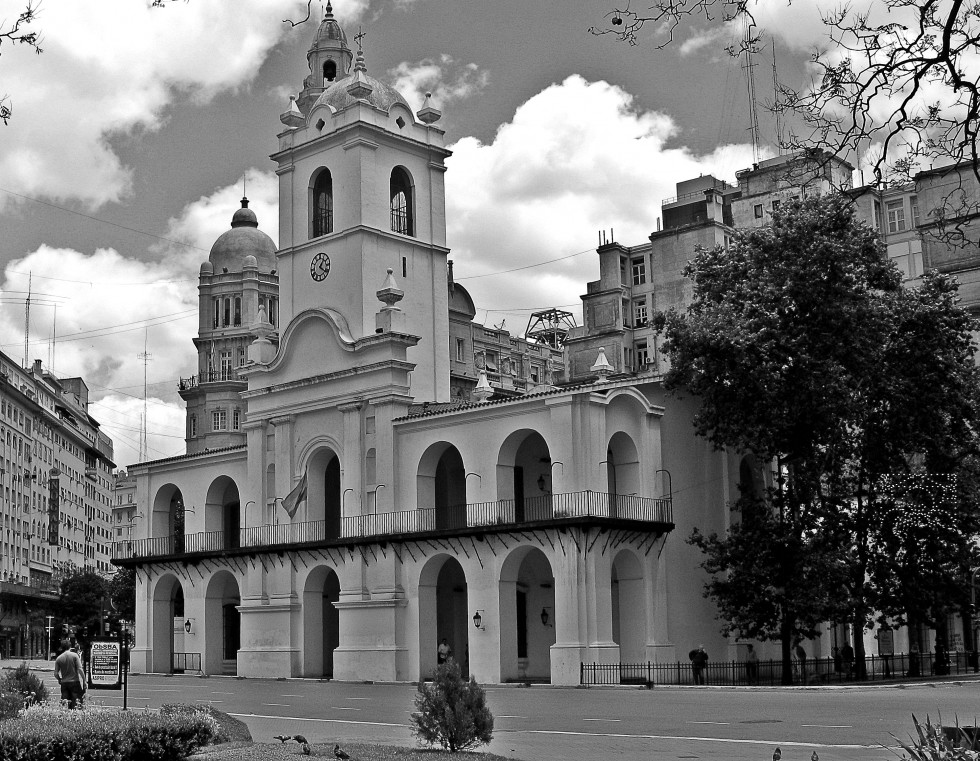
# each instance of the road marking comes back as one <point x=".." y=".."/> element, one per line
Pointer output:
<point x="829" y="726"/>
<point x="601" y="719"/>
<point x="291" y="696"/>
<point x="208" y="700"/>
<point x="787" y="743"/>
<point x="505" y="716"/>
<point x="157" y="689"/>
<point x="321" y="721"/>
<point x="357" y="698"/>
<point x="283" y="705"/>
<point x="338" y="708"/>
<point x="720" y="723"/>
<point x="221" y="693"/>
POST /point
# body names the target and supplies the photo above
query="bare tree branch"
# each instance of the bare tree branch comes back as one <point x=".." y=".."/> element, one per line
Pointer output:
<point x="18" y="33"/>
<point x="309" y="4"/>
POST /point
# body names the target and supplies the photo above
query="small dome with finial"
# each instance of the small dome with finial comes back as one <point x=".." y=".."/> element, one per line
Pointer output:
<point x="244" y="239"/>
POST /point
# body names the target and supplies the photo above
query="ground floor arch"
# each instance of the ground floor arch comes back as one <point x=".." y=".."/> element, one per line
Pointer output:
<point x="166" y="616"/>
<point x="443" y="613"/>
<point x="223" y="627"/>
<point x="321" y="622"/>
<point x="629" y="612"/>
<point x="527" y="616"/>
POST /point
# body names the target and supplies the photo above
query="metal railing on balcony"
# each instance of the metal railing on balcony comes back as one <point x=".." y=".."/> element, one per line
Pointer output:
<point x="546" y="507"/>
<point x="212" y="376"/>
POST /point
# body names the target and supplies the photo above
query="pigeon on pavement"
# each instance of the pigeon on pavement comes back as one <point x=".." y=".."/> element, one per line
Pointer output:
<point x="777" y="754"/>
<point x="282" y="738"/>
<point x="340" y="754"/>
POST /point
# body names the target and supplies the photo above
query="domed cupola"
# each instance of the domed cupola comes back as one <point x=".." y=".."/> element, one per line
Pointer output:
<point x="359" y="86"/>
<point x="330" y="59"/>
<point x="243" y="239"/>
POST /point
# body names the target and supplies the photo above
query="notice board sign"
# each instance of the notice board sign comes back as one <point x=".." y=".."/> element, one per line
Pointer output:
<point x="105" y="666"/>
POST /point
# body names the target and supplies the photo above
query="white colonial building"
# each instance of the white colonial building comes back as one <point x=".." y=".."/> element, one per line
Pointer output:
<point x="338" y="513"/>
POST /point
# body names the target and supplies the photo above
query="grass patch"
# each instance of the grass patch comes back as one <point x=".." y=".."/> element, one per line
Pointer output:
<point x="357" y="752"/>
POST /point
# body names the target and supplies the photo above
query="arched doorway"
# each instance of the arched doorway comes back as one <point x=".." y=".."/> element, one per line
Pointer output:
<point x="321" y="622"/>
<point x="628" y="607"/>
<point x="524" y="475"/>
<point x="166" y="615"/>
<point x="167" y="521"/>
<point x="324" y="492"/>
<point x="222" y="512"/>
<point x="442" y="486"/>
<point x="527" y="616"/>
<point x="623" y="473"/>
<point x="443" y="613"/>
<point x="223" y="627"/>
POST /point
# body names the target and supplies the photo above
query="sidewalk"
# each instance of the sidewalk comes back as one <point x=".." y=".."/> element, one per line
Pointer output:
<point x="33" y="665"/>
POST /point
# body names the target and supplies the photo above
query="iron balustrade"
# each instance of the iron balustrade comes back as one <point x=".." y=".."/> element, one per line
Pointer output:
<point x="185" y="662"/>
<point x="770" y="672"/>
<point x="546" y="507"/>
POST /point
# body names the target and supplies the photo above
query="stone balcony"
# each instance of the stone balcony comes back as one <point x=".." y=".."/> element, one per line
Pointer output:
<point x="548" y="511"/>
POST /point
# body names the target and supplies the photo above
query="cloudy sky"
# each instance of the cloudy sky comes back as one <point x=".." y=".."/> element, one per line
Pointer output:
<point x="132" y="132"/>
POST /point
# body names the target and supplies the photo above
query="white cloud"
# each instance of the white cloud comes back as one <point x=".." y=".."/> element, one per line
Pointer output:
<point x="717" y="37"/>
<point x="576" y="158"/>
<point x="444" y="78"/>
<point x="108" y="304"/>
<point x="114" y="67"/>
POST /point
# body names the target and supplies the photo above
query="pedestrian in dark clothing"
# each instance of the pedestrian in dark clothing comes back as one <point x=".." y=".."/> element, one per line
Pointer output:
<point x="699" y="661"/>
<point x="71" y="676"/>
<point x="801" y="657"/>
<point x="847" y="656"/>
<point x="751" y="665"/>
<point x="837" y="660"/>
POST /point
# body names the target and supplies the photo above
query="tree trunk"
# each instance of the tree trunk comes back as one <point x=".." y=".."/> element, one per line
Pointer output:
<point x="786" y="640"/>
<point x="860" y="664"/>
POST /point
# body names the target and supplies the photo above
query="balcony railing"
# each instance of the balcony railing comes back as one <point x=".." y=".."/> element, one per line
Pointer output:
<point x="502" y="513"/>
<point x="212" y="376"/>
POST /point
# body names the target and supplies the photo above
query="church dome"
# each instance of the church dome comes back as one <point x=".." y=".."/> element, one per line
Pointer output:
<point x="244" y="239"/>
<point x="381" y="96"/>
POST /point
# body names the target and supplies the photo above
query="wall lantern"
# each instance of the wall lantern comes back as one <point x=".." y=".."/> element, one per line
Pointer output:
<point x="478" y="620"/>
<point x="187" y="626"/>
<point x="545" y="616"/>
<point x="541" y="482"/>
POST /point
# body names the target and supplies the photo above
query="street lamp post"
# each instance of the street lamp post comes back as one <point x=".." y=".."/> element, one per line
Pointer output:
<point x="975" y="624"/>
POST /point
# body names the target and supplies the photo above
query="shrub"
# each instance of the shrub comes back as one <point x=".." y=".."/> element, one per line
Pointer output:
<point x="452" y="711"/>
<point x="99" y="734"/>
<point x="934" y="742"/>
<point x="26" y="685"/>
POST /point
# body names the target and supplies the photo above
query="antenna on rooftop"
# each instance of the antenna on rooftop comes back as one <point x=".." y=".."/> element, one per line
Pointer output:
<point x="146" y="357"/>
<point x="775" y="103"/>
<point x="748" y="47"/>
<point x="27" y="320"/>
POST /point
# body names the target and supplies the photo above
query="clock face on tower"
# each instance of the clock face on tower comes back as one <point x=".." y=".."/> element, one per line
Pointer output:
<point x="320" y="267"/>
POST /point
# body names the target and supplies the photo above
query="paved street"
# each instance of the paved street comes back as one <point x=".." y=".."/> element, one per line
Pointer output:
<point x="551" y="724"/>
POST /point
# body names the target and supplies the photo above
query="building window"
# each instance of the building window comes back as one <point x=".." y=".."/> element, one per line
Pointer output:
<point x="236" y="419"/>
<point x="226" y="371"/>
<point x="639" y="272"/>
<point x="192" y="426"/>
<point x="896" y="216"/>
<point x="402" y="220"/>
<point x="775" y="204"/>
<point x="238" y="310"/>
<point x="914" y="207"/>
<point x="639" y="313"/>
<point x="217" y="312"/>
<point x="219" y="420"/>
<point x="642" y="354"/>
<point x="323" y="204"/>
<point x="534" y="373"/>
<point x="877" y="212"/>
<point x="460" y="350"/>
<point x="757" y="211"/>
<point x="227" y="313"/>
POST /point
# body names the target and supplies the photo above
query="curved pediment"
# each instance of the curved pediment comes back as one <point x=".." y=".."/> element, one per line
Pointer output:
<point x="317" y="340"/>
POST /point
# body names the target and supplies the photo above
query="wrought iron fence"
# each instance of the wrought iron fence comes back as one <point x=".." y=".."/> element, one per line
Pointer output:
<point x="815" y="671"/>
<point x="185" y="662"/>
<point x="571" y="505"/>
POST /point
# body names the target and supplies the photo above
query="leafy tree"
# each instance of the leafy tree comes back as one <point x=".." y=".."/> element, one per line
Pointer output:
<point x="452" y="711"/>
<point x="895" y="80"/>
<point x="122" y="592"/>
<point x="804" y="349"/>
<point x="84" y="598"/>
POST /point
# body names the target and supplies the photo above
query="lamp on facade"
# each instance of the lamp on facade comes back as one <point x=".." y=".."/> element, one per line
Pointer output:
<point x="541" y="482"/>
<point x="478" y="620"/>
<point x="187" y="626"/>
<point x="545" y="616"/>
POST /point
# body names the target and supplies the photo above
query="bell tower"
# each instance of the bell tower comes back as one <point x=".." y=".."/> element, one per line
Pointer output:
<point x="362" y="192"/>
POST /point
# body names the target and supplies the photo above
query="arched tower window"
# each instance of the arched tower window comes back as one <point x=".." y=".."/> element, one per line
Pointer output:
<point x="329" y="71"/>
<point x="238" y="310"/>
<point x="402" y="216"/>
<point x="323" y="204"/>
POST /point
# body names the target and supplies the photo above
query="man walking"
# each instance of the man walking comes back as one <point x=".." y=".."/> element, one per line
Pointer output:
<point x="70" y="675"/>
<point x="699" y="661"/>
